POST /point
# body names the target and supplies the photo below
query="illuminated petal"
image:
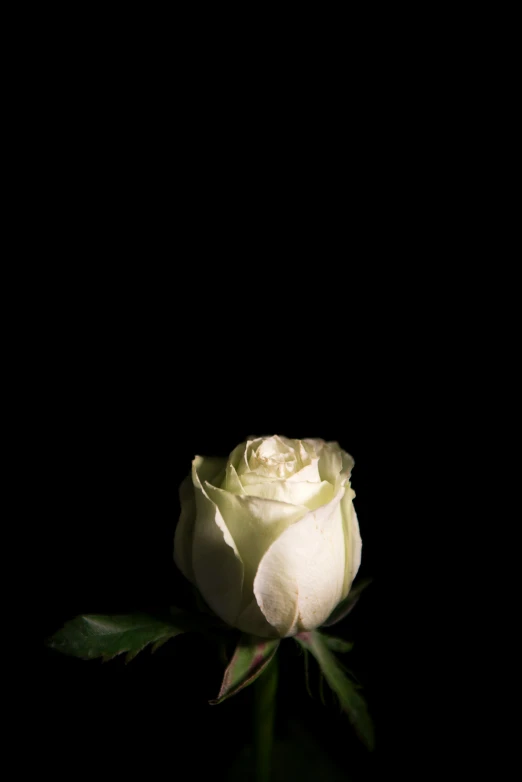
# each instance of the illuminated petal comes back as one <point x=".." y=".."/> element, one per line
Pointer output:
<point x="254" y="524"/>
<point x="312" y="495"/>
<point x="300" y="578"/>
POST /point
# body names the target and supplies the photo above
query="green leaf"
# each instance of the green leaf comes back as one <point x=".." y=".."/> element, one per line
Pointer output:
<point x="346" y="605"/>
<point x="351" y="701"/>
<point x="92" y="635"/>
<point x="250" y="659"/>
<point x="337" y="644"/>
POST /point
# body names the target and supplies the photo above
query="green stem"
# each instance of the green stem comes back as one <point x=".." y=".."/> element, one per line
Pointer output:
<point x="265" y="691"/>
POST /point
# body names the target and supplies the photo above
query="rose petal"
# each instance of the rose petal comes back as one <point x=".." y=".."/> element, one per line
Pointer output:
<point x="300" y="578"/>
<point x="209" y="467"/>
<point x="330" y="464"/>
<point x="232" y="482"/>
<point x="254" y="524"/>
<point x="218" y="568"/>
<point x="353" y="542"/>
<point x="252" y="620"/>
<point x="237" y="455"/>
<point x="308" y="473"/>
<point x="312" y="495"/>
<point x="185" y="530"/>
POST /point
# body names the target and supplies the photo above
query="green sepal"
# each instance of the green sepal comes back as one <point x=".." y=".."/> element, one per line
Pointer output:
<point x="337" y="644"/>
<point x="346" y="605"/>
<point x="89" y="636"/>
<point x="250" y="659"/>
<point x="351" y="701"/>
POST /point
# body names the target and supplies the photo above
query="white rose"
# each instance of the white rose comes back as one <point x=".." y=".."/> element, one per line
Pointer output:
<point x="270" y="536"/>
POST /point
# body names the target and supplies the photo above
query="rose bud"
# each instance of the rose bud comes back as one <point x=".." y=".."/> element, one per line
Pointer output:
<point x="269" y="536"/>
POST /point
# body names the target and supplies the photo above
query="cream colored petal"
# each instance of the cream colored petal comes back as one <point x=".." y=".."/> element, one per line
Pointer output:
<point x="217" y="565"/>
<point x="209" y="467"/>
<point x="313" y="446"/>
<point x="251" y="620"/>
<point x="232" y="482"/>
<point x="348" y="461"/>
<point x="269" y="472"/>
<point x="304" y="453"/>
<point x="220" y="479"/>
<point x="274" y="447"/>
<point x="286" y="445"/>
<point x="185" y="529"/>
<point x="308" y="473"/>
<point x="330" y="464"/>
<point x="279" y="470"/>
<point x="352" y="539"/>
<point x="255" y="477"/>
<point x="347" y="467"/>
<point x="357" y="545"/>
<point x="237" y="454"/>
<point x="254" y="525"/>
<point x="274" y="456"/>
<point x="248" y="456"/>
<point x="300" y="579"/>
<point x="312" y="495"/>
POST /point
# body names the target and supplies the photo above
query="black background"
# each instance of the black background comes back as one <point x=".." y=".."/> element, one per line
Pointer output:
<point x="209" y="266"/>
<point x="192" y="304"/>
<point x="141" y="375"/>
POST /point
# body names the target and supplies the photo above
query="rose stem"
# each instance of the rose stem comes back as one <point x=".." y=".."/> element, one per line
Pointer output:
<point x="265" y="691"/>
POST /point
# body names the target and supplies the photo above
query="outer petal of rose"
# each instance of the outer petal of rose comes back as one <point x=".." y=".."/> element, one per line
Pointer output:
<point x="185" y="530"/>
<point x="330" y="463"/>
<point x="347" y="466"/>
<point x="254" y="524"/>
<point x="252" y="620"/>
<point x="312" y="495"/>
<point x="217" y="565"/>
<point x="352" y="538"/>
<point x="300" y="579"/>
